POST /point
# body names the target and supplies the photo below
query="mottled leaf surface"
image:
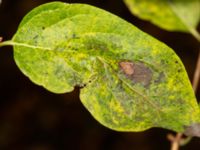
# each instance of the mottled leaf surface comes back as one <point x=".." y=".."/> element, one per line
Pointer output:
<point x="130" y="81"/>
<point x="172" y="15"/>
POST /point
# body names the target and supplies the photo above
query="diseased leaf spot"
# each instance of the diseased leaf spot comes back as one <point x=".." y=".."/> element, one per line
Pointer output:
<point x="35" y="37"/>
<point x="73" y="36"/>
<point x="94" y="44"/>
<point x="127" y="67"/>
<point x="137" y="72"/>
<point x="160" y="78"/>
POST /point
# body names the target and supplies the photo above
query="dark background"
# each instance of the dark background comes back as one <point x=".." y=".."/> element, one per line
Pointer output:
<point x="32" y="118"/>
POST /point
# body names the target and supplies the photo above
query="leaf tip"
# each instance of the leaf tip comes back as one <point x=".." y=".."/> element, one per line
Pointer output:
<point x="193" y="130"/>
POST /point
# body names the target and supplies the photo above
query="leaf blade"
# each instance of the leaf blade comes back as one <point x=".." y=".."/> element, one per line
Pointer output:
<point x="172" y="15"/>
<point x="124" y="72"/>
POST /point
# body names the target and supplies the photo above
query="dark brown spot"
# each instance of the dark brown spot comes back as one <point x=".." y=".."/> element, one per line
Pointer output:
<point x="179" y="70"/>
<point x="137" y="72"/>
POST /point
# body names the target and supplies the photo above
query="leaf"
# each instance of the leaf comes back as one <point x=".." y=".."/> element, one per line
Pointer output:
<point x="130" y="81"/>
<point x="172" y="15"/>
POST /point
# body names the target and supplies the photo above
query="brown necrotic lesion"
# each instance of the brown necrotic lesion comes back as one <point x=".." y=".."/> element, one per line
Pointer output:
<point x="138" y="72"/>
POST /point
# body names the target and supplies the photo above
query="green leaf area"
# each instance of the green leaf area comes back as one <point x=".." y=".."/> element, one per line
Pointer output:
<point x="172" y="15"/>
<point x="130" y="81"/>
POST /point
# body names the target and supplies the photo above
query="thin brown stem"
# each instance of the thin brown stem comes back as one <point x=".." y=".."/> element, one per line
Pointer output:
<point x="175" y="140"/>
<point x="196" y="77"/>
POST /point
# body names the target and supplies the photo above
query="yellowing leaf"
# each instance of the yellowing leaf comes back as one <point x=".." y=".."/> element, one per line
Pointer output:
<point x="130" y="81"/>
<point x="172" y="15"/>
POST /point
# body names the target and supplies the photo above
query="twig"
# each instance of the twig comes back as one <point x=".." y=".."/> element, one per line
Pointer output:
<point x="175" y="140"/>
<point x="196" y="74"/>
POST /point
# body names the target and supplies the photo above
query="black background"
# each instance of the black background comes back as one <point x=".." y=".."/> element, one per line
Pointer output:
<point x="32" y="118"/>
